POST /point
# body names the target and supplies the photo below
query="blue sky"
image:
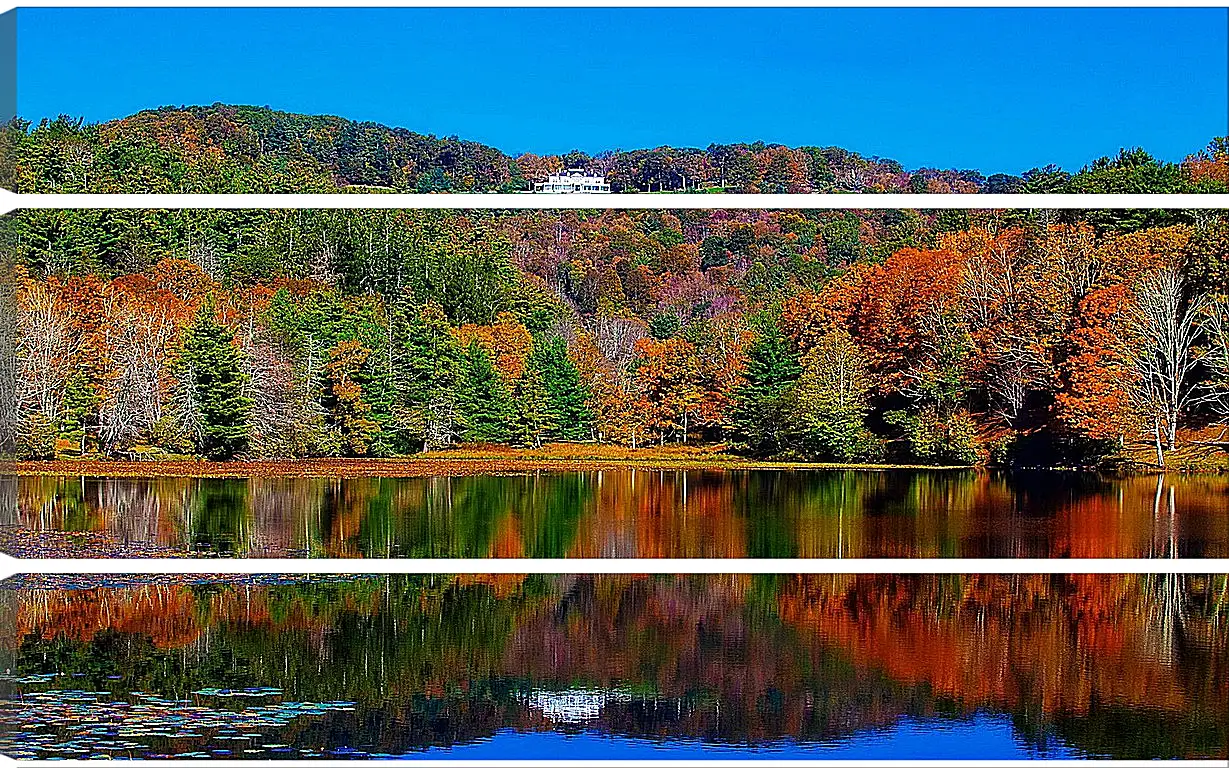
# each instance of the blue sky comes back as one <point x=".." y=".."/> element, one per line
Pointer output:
<point x="992" y="89"/>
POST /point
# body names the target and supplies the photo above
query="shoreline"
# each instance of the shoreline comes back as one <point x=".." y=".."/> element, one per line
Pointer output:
<point x="482" y="461"/>
<point x="421" y="467"/>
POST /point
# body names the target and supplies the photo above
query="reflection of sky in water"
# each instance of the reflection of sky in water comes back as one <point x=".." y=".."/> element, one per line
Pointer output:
<point x="982" y="737"/>
<point x="97" y="724"/>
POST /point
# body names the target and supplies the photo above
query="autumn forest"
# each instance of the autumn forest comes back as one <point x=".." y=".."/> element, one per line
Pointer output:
<point x="1025" y="338"/>
<point x="241" y="149"/>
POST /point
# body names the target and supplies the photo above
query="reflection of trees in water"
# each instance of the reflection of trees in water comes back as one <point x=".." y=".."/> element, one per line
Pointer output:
<point x="723" y="658"/>
<point x="8" y="500"/>
<point x="1051" y="643"/>
<point x="625" y="513"/>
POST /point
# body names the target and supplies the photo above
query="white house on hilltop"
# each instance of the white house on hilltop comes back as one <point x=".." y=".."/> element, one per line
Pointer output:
<point x="573" y="180"/>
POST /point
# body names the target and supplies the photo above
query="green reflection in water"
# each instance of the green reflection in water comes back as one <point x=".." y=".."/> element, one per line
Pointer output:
<point x="628" y="513"/>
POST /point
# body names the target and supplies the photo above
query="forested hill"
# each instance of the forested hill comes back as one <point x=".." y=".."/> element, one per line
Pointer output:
<point x="223" y="148"/>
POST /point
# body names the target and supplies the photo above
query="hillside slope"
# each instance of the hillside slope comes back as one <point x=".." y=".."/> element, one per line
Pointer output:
<point x="238" y="149"/>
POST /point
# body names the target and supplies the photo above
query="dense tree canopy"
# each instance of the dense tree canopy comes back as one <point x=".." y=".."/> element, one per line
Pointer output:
<point x="1028" y="337"/>
<point x="226" y="148"/>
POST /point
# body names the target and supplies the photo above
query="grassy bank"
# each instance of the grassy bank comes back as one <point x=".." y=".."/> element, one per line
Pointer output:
<point x="555" y="457"/>
<point x="463" y="460"/>
<point x="1204" y="456"/>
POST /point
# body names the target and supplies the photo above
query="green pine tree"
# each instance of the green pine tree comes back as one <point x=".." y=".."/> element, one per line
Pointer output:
<point x="217" y="383"/>
<point x="80" y="410"/>
<point x="425" y="369"/>
<point x="664" y="325"/>
<point x="761" y="417"/>
<point x="566" y="396"/>
<point x="484" y="405"/>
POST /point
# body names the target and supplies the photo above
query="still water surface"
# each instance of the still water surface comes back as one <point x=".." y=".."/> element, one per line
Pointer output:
<point x="619" y="666"/>
<point x="625" y="513"/>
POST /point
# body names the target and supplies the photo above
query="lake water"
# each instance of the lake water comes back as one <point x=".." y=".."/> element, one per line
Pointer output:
<point x="625" y="513"/>
<point x="537" y="667"/>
